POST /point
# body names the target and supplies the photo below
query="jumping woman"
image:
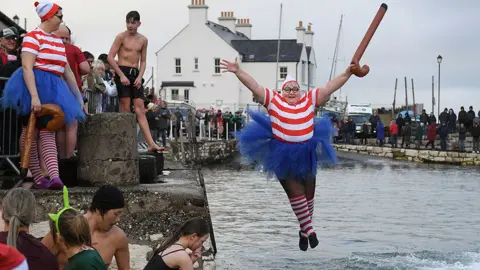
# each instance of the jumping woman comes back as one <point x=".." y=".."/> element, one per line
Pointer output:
<point x="289" y="143"/>
<point x="172" y="254"/>
<point x="39" y="81"/>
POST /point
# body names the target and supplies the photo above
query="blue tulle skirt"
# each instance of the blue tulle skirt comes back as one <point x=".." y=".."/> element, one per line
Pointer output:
<point x="51" y="90"/>
<point x="284" y="160"/>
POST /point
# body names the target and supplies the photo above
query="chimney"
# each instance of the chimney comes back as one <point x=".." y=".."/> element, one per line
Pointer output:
<point x="228" y="20"/>
<point x="198" y="12"/>
<point x="309" y="36"/>
<point x="244" y="27"/>
<point x="300" y="32"/>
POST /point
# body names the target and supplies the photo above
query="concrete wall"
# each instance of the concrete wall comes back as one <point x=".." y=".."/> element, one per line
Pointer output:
<point x="452" y="142"/>
<point x="209" y="151"/>
<point x="425" y="156"/>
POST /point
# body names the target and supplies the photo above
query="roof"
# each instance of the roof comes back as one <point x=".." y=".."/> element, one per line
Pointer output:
<point x="265" y="50"/>
<point x="178" y="84"/>
<point x="9" y="23"/>
<point x="225" y="33"/>
<point x="309" y="49"/>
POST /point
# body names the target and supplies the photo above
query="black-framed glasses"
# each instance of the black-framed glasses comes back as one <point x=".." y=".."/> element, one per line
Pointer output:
<point x="59" y="16"/>
<point x="290" y="90"/>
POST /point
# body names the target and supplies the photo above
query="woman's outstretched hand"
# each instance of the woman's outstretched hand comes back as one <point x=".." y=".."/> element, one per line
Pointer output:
<point x="227" y="66"/>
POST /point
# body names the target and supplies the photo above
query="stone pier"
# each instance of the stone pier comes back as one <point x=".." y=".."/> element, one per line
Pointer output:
<point x="424" y="156"/>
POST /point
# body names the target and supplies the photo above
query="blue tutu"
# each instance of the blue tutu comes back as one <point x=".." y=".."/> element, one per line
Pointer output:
<point x="51" y="90"/>
<point x="285" y="160"/>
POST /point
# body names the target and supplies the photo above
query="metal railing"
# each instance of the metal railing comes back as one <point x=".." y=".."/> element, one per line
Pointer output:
<point x="99" y="102"/>
<point x="10" y="131"/>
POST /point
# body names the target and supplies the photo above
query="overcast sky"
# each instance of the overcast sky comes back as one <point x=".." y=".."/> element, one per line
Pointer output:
<point x="407" y="43"/>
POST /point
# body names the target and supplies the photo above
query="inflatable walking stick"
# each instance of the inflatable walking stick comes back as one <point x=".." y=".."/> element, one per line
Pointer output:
<point x="361" y="72"/>
<point x="57" y="122"/>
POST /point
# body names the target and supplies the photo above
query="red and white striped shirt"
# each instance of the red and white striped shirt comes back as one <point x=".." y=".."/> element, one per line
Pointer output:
<point x="291" y="123"/>
<point x="49" y="50"/>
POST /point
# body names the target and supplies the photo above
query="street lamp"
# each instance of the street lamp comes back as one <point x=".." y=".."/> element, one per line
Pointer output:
<point x="16" y="19"/>
<point x="439" y="60"/>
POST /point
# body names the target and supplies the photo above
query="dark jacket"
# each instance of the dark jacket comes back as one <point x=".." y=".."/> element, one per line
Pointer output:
<point x="470" y="115"/>
<point x="462" y="117"/>
<point x="164" y="115"/>
<point x="444" y="131"/>
<point x="462" y="133"/>
<point x="424" y="118"/>
<point x="452" y="120"/>
<point x="475" y="131"/>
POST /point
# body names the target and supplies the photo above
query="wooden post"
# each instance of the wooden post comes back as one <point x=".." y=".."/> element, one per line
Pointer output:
<point x="414" y="104"/>
<point x="406" y="94"/>
<point x="394" y="98"/>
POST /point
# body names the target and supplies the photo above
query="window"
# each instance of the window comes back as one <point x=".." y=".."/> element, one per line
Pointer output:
<point x="175" y="94"/>
<point x="186" y="95"/>
<point x="283" y="72"/>
<point x="304" y="65"/>
<point x="217" y="65"/>
<point x="178" y="65"/>
<point x="195" y="63"/>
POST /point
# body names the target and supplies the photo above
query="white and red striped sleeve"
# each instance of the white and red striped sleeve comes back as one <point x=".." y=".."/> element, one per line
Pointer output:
<point x="31" y="44"/>
<point x="313" y="96"/>
<point x="269" y="95"/>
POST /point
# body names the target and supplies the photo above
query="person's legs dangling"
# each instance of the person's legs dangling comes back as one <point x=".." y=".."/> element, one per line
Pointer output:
<point x="48" y="150"/>
<point x="309" y="186"/>
<point x="38" y="178"/>
<point x="298" y="201"/>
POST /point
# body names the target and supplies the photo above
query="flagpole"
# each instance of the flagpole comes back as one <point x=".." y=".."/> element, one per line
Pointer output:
<point x="278" y="46"/>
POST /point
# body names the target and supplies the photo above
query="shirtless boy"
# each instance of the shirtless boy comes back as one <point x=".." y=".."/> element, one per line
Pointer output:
<point x="108" y="239"/>
<point x="131" y="48"/>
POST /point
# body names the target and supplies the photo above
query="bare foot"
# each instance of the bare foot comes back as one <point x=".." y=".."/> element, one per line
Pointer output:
<point x="156" y="148"/>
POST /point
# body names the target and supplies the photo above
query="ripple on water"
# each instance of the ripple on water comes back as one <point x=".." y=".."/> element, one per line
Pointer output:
<point x="368" y="216"/>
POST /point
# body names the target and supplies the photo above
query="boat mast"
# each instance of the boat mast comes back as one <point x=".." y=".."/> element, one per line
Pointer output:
<point x="335" y="54"/>
<point x="278" y="47"/>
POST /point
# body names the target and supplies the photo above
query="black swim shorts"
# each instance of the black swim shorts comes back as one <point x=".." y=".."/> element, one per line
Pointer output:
<point x="129" y="91"/>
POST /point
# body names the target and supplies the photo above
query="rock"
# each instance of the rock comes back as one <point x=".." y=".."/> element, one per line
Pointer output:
<point x="439" y="159"/>
<point x="377" y="150"/>
<point x="452" y="154"/>
<point x="156" y="237"/>
<point x="107" y="150"/>
<point x="411" y="153"/>
<point x="387" y="150"/>
<point x="442" y="154"/>
<point x="433" y="153"/>
<point x="389" y="155"/>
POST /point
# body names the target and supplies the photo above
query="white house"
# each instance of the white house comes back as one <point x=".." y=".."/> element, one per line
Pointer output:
<point x="188" y="66"/>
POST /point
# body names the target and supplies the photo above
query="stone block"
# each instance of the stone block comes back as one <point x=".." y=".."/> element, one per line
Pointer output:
<point x="442" y="154"/>
<point x="389" y="155"/>
<point x="452" y="154"/>
<point x="439" y="159"/>
<point x="107" y="151"/>
<point x="411" y="153"/>
<point x="433" y="153"/>
<point x="113" y="172"/>
<point x="387" y="150"/>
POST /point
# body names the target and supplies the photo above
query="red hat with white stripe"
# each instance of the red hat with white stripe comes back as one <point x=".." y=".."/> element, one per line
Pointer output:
<point x="46" y="10"/>
<point x="288" y="79"/>
<point x="11" y="258"/>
